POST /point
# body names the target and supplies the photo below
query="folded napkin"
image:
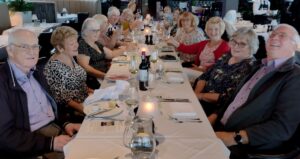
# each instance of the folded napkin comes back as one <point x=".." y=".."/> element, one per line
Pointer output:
<point x="182" y="110"/>
<point x="108" y="93"/>
<point x="173" y="77"/>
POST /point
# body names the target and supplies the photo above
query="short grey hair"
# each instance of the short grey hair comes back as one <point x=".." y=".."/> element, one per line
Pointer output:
<point x="86" y="23"/>
<point x="251" y="37"/>
<point x="113" y="11"/>
<point x="13" y="35"/>
<point x="100" y="18"/>
<point x="296" y="37"/>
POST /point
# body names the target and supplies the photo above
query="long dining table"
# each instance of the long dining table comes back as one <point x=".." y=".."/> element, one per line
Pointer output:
<point x="187" y="140"/>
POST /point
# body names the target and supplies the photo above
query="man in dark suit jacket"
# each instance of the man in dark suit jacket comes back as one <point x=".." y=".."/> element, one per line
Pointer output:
<point x="28" y="125"/>
<point x="264" y="114"/>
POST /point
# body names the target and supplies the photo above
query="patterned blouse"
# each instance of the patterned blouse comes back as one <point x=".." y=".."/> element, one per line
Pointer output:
<point x="66" y="83"/>
<point x="189" y="38"/>
<point x="224" y="78"/>
<point x="207" y="56"/>
<point x="97" y="60"/>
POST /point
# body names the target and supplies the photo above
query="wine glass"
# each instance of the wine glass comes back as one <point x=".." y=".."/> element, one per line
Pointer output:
<point x="153" y="60"/>
<point x="151" y="82"/>
<point x="160" y="70"/>
<point x="133" y="65"/>
<point x="132" y="100"/>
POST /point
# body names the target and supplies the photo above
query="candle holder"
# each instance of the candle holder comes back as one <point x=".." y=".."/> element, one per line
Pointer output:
<point x="151" y="40"/>
<point x="147" y="39"/>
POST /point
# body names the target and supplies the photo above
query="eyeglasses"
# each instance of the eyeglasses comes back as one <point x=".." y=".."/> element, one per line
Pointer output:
<point x="279" y="34"/>
<point x="235" y="43"/>
<point x="27" y="47"/>
<point x="95" y="30"/>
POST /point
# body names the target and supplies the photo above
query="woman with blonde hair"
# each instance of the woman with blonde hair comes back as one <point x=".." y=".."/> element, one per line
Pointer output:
<point x="188" y="33"/>
<point x="206" y="52"/>
<point x="66" y="79"/>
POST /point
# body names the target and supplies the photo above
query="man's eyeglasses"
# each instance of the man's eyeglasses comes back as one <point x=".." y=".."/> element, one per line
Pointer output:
<point x="280" y="35"/>
<point x="27" y="47"/>
<point x="235" y="43"/>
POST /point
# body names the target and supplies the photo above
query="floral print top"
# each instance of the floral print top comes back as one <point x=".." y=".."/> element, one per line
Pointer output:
<point x="224" y="79"/>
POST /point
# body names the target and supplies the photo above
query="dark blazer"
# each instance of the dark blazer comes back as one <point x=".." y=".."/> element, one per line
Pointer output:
<point x="16" y="139"/>
<point x="270" y="115"/>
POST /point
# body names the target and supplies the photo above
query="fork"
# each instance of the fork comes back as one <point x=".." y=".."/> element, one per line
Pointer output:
<point x="186" y="120"/>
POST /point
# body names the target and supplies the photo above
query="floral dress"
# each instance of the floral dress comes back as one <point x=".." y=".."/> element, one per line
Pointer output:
<point x="224" y="79"/>
<point x="195" y="36"/>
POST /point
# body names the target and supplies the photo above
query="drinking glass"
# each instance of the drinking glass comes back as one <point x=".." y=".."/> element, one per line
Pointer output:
<point x="151" y="82"/>
<point x="160" y="70"/>
<point x="133" y="65"/>
<point x="132" y="99"/>
<point x="139" y="137"/>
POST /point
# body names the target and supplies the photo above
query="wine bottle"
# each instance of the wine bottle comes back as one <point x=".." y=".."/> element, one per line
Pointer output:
<point x="143" y="73"/>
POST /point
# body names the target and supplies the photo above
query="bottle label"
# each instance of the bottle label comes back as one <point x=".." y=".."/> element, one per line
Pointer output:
<point x="143" y="75"/>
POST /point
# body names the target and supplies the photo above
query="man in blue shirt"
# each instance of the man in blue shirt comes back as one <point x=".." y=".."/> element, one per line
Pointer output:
<point x="27" y="126"/>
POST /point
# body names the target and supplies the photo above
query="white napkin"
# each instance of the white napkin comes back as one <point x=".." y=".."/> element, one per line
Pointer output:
<point x="173" y="77"/>
<point x="182" y="110"/>
<point x="108" y="93"/>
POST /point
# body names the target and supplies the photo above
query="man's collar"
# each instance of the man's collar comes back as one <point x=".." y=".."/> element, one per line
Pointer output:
<point x="19" y="74"/>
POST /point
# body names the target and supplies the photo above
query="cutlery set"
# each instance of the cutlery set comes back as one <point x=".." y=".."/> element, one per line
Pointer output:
<point x="183" y="120"/>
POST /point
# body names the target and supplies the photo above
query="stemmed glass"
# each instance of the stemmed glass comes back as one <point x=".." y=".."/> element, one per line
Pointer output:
<point x="153" y="60"/>
<point x="133" y="65"/>
<point x="132" y="100"/>
<point x="151" y="82"/>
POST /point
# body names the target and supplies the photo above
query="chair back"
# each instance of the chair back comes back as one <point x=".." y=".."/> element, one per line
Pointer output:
<point x="4" y="16"/>
<point x="44" y="42"/>
<point x="45" y="10"/>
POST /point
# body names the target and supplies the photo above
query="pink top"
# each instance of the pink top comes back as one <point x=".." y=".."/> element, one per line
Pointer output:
<point x="207" y="56"/>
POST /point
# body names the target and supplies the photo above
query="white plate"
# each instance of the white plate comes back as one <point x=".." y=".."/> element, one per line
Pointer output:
<point x="121" y="59"/>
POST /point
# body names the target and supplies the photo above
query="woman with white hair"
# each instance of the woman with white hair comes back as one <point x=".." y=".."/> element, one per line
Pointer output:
<point x="103" y="23"/>
<point x="217" y="86"/>
<point x="92" y="54"/>
<point x="127" y="21"/>
<point x="230" y="21"/>
<point x="113" y="32"/>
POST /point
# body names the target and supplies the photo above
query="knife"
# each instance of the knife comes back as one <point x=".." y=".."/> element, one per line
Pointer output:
<point x="99" y="112"/>
<point x="174" y="100"/>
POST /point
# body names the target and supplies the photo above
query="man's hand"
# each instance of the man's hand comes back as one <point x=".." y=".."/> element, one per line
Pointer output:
<point x="227" y="138"/>
<point x="72" y="128"/>
<point x="60" y="141"/>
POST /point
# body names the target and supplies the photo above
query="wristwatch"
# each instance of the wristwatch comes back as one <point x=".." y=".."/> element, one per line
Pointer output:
<point x="238" y="138"/>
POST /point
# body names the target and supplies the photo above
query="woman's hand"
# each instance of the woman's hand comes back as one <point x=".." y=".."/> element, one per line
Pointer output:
<point x="173" y="42"/>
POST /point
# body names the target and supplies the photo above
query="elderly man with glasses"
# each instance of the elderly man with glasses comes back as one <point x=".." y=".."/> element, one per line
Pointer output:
<point x="27" y="126"/>
<point x="264" y="114"/>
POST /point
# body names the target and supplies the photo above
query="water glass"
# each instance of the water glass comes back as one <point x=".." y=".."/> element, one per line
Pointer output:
<point x="160" y="70"/>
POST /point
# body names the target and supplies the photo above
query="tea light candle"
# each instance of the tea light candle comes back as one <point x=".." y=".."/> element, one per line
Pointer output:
<point x="149" y="107"/>
<point x="147" y="31"/>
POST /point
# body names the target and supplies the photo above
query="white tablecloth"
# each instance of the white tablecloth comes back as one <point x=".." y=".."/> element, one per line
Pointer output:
<point x="30" y="26"/>
<point x="66" y="17"/>
<point x="191" y="140"/>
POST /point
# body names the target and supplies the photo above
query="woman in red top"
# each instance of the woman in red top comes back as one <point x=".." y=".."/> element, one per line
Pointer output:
<point x="207" y="51"/>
